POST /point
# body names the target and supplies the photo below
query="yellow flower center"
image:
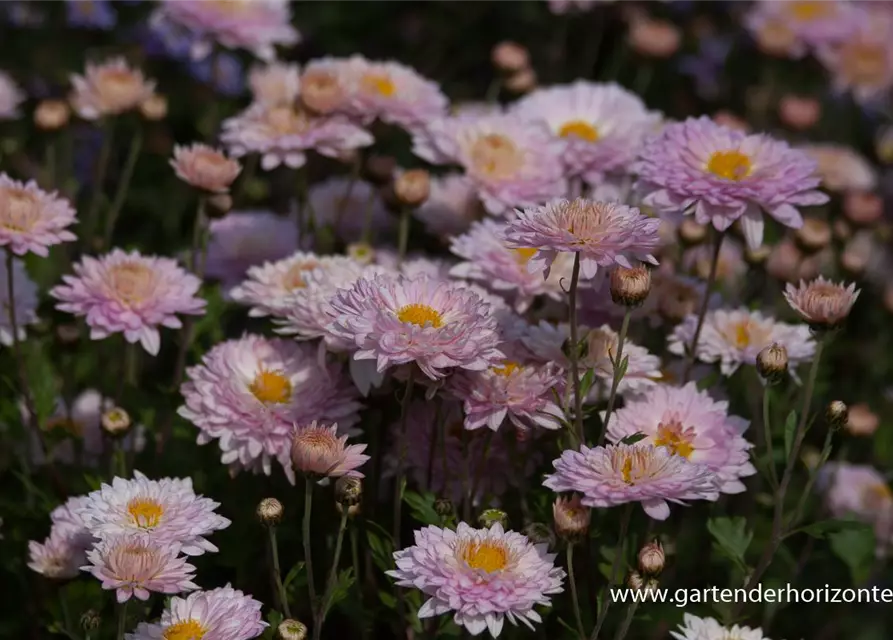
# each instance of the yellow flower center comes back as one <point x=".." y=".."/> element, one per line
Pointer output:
<point x="379" y="83"/>
<point x="145" y="513"/>
<point x="506" y="369"/>
<point x="285" y="120"/>
<point x="634" y="464"/>
<point x="524" y="255"/>
<point x="807" y="11"/>
<point x="69" y="426"/>
<point x="19" y="210"/>
<point x="730" y="165"/>
<point x="486" y="556"/>
<point x="675" y="438"/>
<point x="271" y="387"/>
<point x="877" y="496"/>
<point x="186" y="630"/>
<point x="132" y="282"/>
<point x="626" y="470"/>
<point x="420" y="315"/>
<point x="579" y="129"/>
<point x="496" y="157"/>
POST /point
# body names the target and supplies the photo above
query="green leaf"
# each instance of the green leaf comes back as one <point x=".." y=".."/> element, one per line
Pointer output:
<point x="732" y="537"/>
<point x="824" y="527"/>
<point x="586" y="382"/>
<point x="292" y="574"/>
<point x="624" y="365"/>
<point x="380" y="545"/>
<point x="790" y="426"/>
<point x="342" y="587"/>
<point x="634" y="438"/>
<point x="422" y="507"/>
<point x="855" y="547"/>
<point x="387" y="599"/>
<point x="708" y="381"/>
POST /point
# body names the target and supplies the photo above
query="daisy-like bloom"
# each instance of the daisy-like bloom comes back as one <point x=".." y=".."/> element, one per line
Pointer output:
<point x="855" y="490"/>
<point x="451" y="207"/>
<point x="248" y="394"/>
<point x="244" y="239"/>
<point x="695" y="628"/>
<point x="24" y="291"/>
<point x="489" y="260"/>
<point x="224" y="614"/>
<point x="842" y="168"/>
<point x="822" y="303"/>
<point x="802" y="25"/>
<point x="690" y="424"/>
<point x="129" y="293"/>
<point x="602" y="233"/>
<point x="318" y="450"/>
<point x="271" y="288"/>
<point x="165" y="511"/>
<point x="863" y="62"/>
<point x="618" y="474"/>
<point x="10" y="97"/>
<point x="722" y="175"/>
<point x="734" y="337"/>
<point x="135" y="566"/>
<point x="349" y="206"/>
<point x="510" y="161"/>
<point x="32" y="219"/>
<point x="57" y="558"/>
<point x="600" y="126"/>
<point x="256" y="25"/>
<point x="205" y="167"/>
<point x="283" y="134"/>
<point x="109" y="89"/>
<point x="277" y="83"/>
<point x="436" y="324"/>
<point x="484" y="576"/>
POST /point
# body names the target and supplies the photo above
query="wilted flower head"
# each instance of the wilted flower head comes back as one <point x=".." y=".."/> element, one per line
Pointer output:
<point x="32" y="219"/>
<point x="165" y="511"/>
<point x="219" y="613"/>
<point x="205" y="168"/>
<point x="317" y="450"/>
<point x="436" y="324"/>
<point x="484" y="576"/>
<point x="133" y="565"/>
<point x="109" y="88"/>
<point x="10" y="97"/>
<point x="721" y="175"/>
<point x="822" y="303"/>
<point x="131" y="294"/>
<point x="600" y="127"/>
<point x="617" y="474"/>
<point x="690" y="424"/>
<point x="275" y="84"/>
<point x="694" y="628"/>
<point x="24" y="292"/>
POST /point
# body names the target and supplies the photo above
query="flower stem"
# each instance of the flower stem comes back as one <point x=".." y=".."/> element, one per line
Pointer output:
<point x="401" y="475"/>
<point x="122" y="620"/>
<point x="767" y="435"/>
<point x="277" y="572"/>
<point x="367" y="217"/>
<point x="330" y="583"/>
<point x="575" y="351"/>
<point x="102" y="164"/>
<point x="711" y="280"/>
<point x="573" y="584"/>
<point x="403" y="238"/>
<point x="123" y="186"/>
<point x="619" y="372"/>
<point x="615" y="567"/>
<point x="308" y="553"/>
<point x="627" y="621"/>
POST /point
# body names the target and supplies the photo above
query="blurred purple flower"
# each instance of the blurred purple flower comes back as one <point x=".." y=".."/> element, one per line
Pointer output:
<point x="707" y="65"/>
<point x="91" y="14"/>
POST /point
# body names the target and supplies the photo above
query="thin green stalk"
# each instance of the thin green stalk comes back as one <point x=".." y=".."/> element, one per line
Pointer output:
<point x="401" y="475"/>
<point x="122" y="620"/>
<point x="615" y="567"/>
<point x="308" y="553"/>
<point x="767" y="435"/>
<point x="123" y="187"/>
<point x="619" y="371"/>
<point x="573" y="584"/>
<point x="367" y="217"/>
<point x="813" y="475"/>
<point x="711" y="280"/>
<point x="627" y="621"/>
<point x="92" y="217"/>
<point x="277" y="572"/>
<point x="403" y="238"/>
<point x="66" y="614"/>
<point x="575" y="351"/>
<point x="333" y="577"/>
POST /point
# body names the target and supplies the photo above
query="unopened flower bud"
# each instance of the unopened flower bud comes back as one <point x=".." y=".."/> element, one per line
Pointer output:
<point x="321" y="92"/>
<point x="115" y="421"/>
<point x="813" y="236"/>
<point x="493" y="516"/>
<point x="379" y="170"/>
<point x="91" y="620"/>
<point x="290" y="629"/>
<point x="154" y="108"/>
<point x="836" y="414"/>
<point x="691" y="233"/>
<point x="443" y="507"/>
<point x="630" y="287"/>
<point x="571" y="518"/>
<point x="635" y="581"/>
<point x="523" y="81"/>
<point x="654" y="38"/>
<point x="68" y="333"/>
<point x="799" y="112"/>
<point x="269" y="511"/>
<point x="772" y="363"/>
<point x="411" y="188"/>
<point x="861" y="420"/>
<point x="52" y="115"/>
<point x="651" y="584"/>
<point x="863" y="208"/>
<point x="510" y="57"/>
<point x="219" y="205"/>
<point x="540" y="533"/>
<point x="651" y="558"/>
<point x="758" y="256"/>
<point x="348" y="491"/>
<point x="361" y="252"/>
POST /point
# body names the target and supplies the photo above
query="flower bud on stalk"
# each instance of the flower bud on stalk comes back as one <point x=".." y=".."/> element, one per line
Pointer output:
<point x="115" y="421"/>
<point x="290" y="629"/>
<point x="219" y="205"/>
<point x="772" y="363"/>
<point x="523" y="81"/>
<point x="691" y="233"/>
<point x="91" y="620"/>
<point x="269" y="512"/>
<point x="510" y="57"/>
<point x="635" y="581"/>
<point x="571" y="518"/>
<point x="861" y="420"/>
<point x="411" y="188"/>
<point x="361" y="252"/>
<point x="348" y="494"/>
<point x="837" y="414"/>
<point x="443" y="507"/>
<point x="813" y="236"/>
<point x="630" y="287"/>
<point x="540" y="533"/>
<point x="52" y="115"/>
<point x="652" y="558"/>
<point x="493" y="516"/>
<point x="379" y="170"/>
<point x="154" y="108"/>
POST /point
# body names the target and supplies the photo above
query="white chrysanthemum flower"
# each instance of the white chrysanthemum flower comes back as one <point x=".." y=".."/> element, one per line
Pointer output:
<point x="695" y="628"/>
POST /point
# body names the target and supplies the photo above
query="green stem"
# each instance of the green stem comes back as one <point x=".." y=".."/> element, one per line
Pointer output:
<point x="575" y="351"/>
<point x="401" y="475"/>
<point x="767" y="435"/>
<point x="277" y="572"/>
<point x="123" y="187"/>
<point x="333" y="576"/>
<point x="619" y="371"/>
<point x="66" y="615"/>
<point x="403" y="239"/>
<point x="573" y="584"/>
<point x="702" y="313"/>
<point x="308" y="553"/>
<point x="627" y="621"/>
<point x="367" y="217"/>
<point x="102" y="164"/>
<point x="615" y="567"/>
<point x="807" y="491"/>
<point x="122" y="620"/>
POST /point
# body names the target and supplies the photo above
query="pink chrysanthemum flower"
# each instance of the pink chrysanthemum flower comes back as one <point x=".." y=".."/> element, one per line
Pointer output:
<point x="131" y="294"/>
<point x="722" y="175"/>
<point x="822" y="303"/>
<point x="224" y="614"/>
<point x="256" y="25"/>
<point x="244" y="239"/>
<point x="10" y="97"/>
<point x="690" y="424"/>
<point x="135" y="566"/>
<point x="205" y="167"/>
<point x="24" y="291"/>
<point x="109" y="89"/>
<point x="166" y="511"/>
<point x="694" y="628"/>
<point x="32" y="219"/>
<point x="484" y="576"/>
<point x="275" y="84"/>
<point x="617" y="474"/>
<point x="271" y="288"/>
<point x="863" y="62"/>
<point x="283" y="134"/>
<point x="510" y="161"/>
<point x="436" y="324"/>
<point x="735" y="337"/>
<point x="842" y="168"/>
<point x="489" y="260"/>
<point x="452" y="206"/>
<point x="249" y="393"/>
<point x="603" y="233"/>
<point x="64" y="551"/>
<point x="802" y="26"/>
<point x="349" y="207"/>
<point x="600" y="126"/>
<point x="318" y="450"/>
<point x="860" y="492"/>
